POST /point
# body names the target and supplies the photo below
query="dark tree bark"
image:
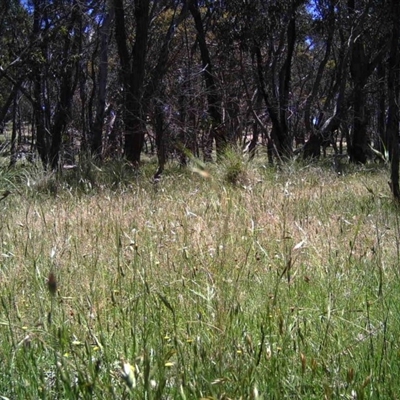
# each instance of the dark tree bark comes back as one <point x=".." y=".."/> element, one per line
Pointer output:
<point x="362" y="65"/>
<point x="256" y="124"/>
<point x="393" y="99"/>
<point x="138" y="92"/>
<point x="41" y="120"/>
<point x="87" y="100"/>
<point x="69" y="82"/>
<point x="49" y="128"/>
<point x="13" y="150"/>
<point x="161" y="128"/>
<point x="338" y="91"/>
<point x="163" y="62"/>
<point x="8" y="102"/>
<point x="213" y="96"/>
<point x="187" y="138"/>
<point x="285" y="139"/>
<point x="97" y="129"/>
<point x="271" y="108"/>
<point x="382" y="143"/>
<point x="359" y="144"/>
<point x="312" y="148"/>
<point x="156" y="85"/>
<point x="133" y="75"/>
<point x="276" y="96"/>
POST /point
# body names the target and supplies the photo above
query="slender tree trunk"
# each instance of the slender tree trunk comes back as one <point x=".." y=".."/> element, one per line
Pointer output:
<point x="42" y="139"/>
<point x="156" y="85"/>
<point x="394" y="98"/>
<point x="283" y="134"/>
<point x="13" y="150"/>
<point x="277" y="102"/>
<point x="8" y="102"/>
<point x="160" y="138"/>
<point x="256" y="125"/>
<point x="362" y="65"/>
<point x="360" y="137"/>
<point x="274" y="116"/>
<point x="40" y="124"/>
<point x="213" y="96"/>
<point x="339" y="90"/>
<point x="134" y="137"/>
<point x="133" y="73"/>
<point x="86" y="107"/>
<point x="359" y="71"/>
<point x="183" y="121"/>
<point x="382" y="143"/>
<point x="312" y="148"/>
<point x="68" y="85"/>
<point x="97" y="130"/>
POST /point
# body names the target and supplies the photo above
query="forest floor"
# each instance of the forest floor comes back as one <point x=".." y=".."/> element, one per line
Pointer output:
<point x="224" y="281"/>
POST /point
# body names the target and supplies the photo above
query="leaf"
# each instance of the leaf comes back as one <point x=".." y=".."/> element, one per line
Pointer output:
<point x="166" y="302"/>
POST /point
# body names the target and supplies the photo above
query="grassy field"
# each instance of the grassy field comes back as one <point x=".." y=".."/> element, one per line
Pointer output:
<point x="240" y="281"/>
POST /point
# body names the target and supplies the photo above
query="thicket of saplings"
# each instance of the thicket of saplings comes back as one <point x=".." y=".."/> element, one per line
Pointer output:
<point x="221" y="281"/>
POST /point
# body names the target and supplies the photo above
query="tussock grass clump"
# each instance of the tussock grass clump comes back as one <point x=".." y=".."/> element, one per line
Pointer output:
<point x="286" y="286"/>
<point x="233" y="167"/>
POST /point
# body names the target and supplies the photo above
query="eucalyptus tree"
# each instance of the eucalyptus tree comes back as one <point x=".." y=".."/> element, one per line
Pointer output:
<point x="140" y="73"/>
<point x="100" y="80"/>
<point x="394" y="97"/>
<point x="320" y="40"/>
<point x="368" y="49"/>
<point x="57" y="31"/>
<point x="354" y="38"/>
<point x="330" y="91"/>
<point x="268" y="30"/>
<point x="214" y="97"/>
<point x="15" y="46"/>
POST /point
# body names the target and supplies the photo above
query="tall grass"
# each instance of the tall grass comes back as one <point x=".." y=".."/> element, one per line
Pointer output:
<point x="237" y="281"/>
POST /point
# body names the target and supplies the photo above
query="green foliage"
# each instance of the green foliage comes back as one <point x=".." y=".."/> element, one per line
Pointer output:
<point x="233" y="167"/>
<point x="194" y="287"/>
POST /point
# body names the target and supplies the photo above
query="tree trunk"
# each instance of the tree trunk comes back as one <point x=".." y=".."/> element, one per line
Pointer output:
<point x="394" y="98"/>
<point x="133" y="74"/>
<point x="49" y="130"/>
<point x="156" y="85"/>
<point x="339" y="91"/>
<point x="277" y="102"/>
<point x="41" y="122"/>
<point x="276" y="131"/>
<point x="214" y="99"/>
<point x="284" y="137"/>
<point x="8" y="102"/>
<point x="362" y="66"/>
<point x="160" y="138"/>
<point x="312" y="148"/>
<point x="359" y="72"/>
<point x="13" y="150"/>
<point x="97" y="130"/>
<point x="68" y="85"/>
<point x="381" y="142"/>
